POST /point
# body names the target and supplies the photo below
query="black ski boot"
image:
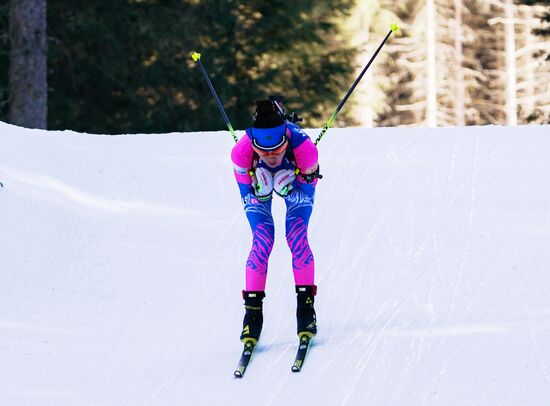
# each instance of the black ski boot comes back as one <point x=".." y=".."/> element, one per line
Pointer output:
<point x="253" y="318"/>
<point x="305" y="312"/>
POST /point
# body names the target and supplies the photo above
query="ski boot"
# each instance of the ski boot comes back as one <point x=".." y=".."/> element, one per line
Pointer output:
<point x="253" y="317"/>
<point x="305" y="312"/>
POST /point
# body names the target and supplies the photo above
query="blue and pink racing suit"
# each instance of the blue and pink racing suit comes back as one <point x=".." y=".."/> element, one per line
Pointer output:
<point x="299" y="205"/>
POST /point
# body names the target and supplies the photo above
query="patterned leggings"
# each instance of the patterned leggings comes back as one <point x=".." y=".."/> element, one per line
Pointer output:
<point x="299" y="205"/>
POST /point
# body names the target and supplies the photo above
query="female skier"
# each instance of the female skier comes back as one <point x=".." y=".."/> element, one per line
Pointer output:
<point x="276" y="155"/>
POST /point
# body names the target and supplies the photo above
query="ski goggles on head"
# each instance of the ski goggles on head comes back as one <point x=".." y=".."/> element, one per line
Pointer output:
<point x="265" y="153"/>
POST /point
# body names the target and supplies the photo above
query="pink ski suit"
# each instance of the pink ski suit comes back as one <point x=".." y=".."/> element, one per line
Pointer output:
<point x="301" y="154"/>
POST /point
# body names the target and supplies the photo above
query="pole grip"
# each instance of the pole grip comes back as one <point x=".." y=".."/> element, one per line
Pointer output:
<point x="197" y="58"/>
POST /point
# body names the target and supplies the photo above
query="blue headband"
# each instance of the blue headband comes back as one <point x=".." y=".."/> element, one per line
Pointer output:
<point x="269" y="139"/>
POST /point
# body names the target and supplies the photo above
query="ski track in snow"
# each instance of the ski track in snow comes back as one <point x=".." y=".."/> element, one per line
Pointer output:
<point x="122" y="261"/>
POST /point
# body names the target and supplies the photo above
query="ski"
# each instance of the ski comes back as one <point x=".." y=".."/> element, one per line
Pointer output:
<point x="305" y="341"/>
<point x="248" y="349"/>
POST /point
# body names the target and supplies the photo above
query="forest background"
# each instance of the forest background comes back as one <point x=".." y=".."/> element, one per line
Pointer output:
<point x="124" y="66"/>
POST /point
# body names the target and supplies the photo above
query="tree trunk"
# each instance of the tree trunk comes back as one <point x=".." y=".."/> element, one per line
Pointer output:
<point x="28" y="64"/>
<point x="431" y="113"/>
<point x="459" y="60"/>
<point x="511" y="80"/>
<point x="363" y="112"/>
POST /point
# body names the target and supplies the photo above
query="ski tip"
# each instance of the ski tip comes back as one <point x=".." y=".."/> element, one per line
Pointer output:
<point x="394" y="27"/>
<point x="238" y="374"/>
<point x="295" y="369"/>
<point x="196" y="56"/>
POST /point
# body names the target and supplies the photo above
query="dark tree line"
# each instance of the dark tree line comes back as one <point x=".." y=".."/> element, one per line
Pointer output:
<point x="125" y="67"/>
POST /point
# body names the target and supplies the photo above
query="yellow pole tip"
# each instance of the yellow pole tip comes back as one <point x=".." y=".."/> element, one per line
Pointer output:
<point x="394" y="27"/>
<point x="196" y="56"/>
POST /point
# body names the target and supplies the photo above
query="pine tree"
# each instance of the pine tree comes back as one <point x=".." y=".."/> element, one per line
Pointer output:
<point x="544" y="13"/>
<point x="4" y="60"/>
<point x="465" y="62"/>
<point x="28" y="69"/>
<point x="424" y="51"/>
<point x="367" y="26"/>
<point x="534" y="55"/>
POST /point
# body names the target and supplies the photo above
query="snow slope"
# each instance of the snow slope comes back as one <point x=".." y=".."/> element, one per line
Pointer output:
<point x="122" y="261"/>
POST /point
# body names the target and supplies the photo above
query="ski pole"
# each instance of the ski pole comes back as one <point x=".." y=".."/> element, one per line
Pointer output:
<point x="197" y="58"/>
<point x="331" y="119"/>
